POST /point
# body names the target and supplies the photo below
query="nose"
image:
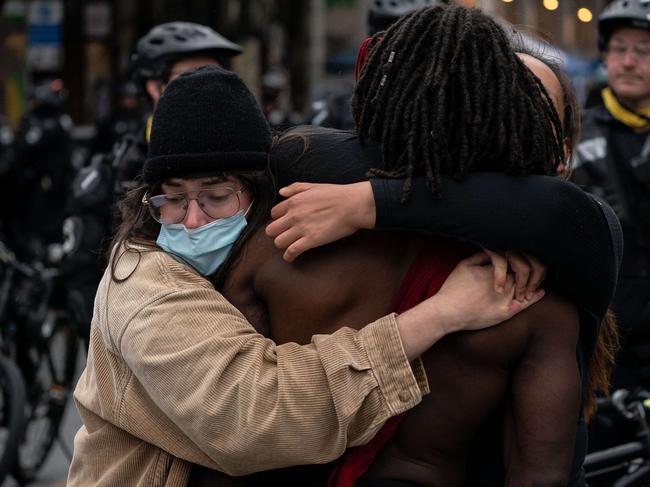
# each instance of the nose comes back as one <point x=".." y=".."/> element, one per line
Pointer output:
<point x="195" y="216"/>
<point x="629" y="59"/>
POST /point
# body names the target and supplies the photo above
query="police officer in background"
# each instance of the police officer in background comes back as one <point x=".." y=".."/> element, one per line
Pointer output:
<point x="165" y="52"/>
<point x="37" y="171"/>
<point x="613" y="162"/>
<point x="127" y="118"/>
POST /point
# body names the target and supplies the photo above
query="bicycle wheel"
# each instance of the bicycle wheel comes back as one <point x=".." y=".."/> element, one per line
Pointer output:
<point x="12" y="414"/>
<point x="49" y="386"/>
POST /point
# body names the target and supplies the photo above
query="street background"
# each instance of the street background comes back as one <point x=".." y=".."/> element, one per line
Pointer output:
<point x="88" y="43"/>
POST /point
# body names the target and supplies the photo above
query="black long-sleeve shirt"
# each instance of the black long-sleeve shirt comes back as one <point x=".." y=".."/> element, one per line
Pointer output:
<point x="575" y="234"/>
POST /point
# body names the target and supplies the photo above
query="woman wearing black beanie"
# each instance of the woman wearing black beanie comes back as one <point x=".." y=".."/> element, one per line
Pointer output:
<point x="175" y="374"/>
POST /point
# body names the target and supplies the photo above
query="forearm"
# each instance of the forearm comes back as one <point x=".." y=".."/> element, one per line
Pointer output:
<point x="546" y="217"/>
<point x="247" y="405"/>
<point x="487" y="208"/>
<point x="540" y="429"/>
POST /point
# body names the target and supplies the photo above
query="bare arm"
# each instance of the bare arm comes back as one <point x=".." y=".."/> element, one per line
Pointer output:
<point x="317" y="214"/>
<point x="544" y="403"/>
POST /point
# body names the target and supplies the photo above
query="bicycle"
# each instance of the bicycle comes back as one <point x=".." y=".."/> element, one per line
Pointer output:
<point x="627" y="464"/>
<point x="12" y="416"/>
<point x="39" y="337"/>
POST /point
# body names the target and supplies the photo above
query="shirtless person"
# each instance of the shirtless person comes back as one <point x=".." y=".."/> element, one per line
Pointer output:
<point x="355" y="279"/>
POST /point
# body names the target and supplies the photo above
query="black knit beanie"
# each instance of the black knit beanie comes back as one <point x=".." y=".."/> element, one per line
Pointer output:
<point x="206" y="121"/>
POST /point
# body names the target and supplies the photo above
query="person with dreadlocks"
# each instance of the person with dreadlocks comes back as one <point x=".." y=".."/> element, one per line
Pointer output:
<point x="514" y="127"/>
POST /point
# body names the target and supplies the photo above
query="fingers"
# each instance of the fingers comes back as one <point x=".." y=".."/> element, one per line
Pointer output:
<point x="509" y="286"/>
<point x="537" y="275"/>
<point x="280" y="209"/>
<point x="516" y="306"/>
<point x="529" y="272"/>
<point x="295" y="188"/>
<point x="287" y="238"/>
<point x="522" y="269"/>
<point x="500" y="264"/>
<point x="295" y="249"/>
<point x="277" y="227"/>
<point x="535" y="297"/>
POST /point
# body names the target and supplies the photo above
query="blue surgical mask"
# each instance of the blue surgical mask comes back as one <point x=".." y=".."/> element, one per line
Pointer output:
<point x="204" y="248"/>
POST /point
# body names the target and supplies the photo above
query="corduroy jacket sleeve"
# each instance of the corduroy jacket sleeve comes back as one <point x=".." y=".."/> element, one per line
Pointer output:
<point x="206" y="387"/>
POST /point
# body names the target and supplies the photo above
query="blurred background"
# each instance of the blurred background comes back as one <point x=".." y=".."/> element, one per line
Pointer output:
<point x="305" y="48"/>
<point x="68" y="104"/>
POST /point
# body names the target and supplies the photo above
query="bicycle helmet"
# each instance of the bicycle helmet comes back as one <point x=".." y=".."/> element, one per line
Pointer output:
<point x="622" y="13"/>
<point x="163" y="45"/>
<point x="382" y="13"/>
<point x="47" y="96"/>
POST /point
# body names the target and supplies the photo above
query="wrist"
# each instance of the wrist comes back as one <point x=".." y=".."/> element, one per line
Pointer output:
<point x="366" y="210"/>
<point x="449" y="316"/>
<point x="423" y="325"/>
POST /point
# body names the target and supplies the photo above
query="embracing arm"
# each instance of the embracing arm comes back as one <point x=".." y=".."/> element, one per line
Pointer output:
<point x="209" y="389"/>
<point x="227" y="398"/>
<point x="574" y="234"/>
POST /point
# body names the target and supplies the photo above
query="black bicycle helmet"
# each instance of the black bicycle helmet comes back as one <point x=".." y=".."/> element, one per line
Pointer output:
<point x="622" y="13"/>
<point x="166" y="43"/>
<point x="382" y="13"/>
<point x="47" y="96"/>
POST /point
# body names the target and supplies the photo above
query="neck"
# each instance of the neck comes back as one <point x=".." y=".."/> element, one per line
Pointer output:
<point x="638" y="105"/>
<point x="633" y="118"/>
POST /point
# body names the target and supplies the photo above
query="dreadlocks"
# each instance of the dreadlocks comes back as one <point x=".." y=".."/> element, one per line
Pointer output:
<point x="444" y="93"/>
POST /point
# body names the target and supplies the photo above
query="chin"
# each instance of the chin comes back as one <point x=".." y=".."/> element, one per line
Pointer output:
<point x="632" y="93"/>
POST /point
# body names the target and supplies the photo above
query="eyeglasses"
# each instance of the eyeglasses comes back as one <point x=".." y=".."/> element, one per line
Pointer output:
<point x="172" y="207"/>
<point x="640" y="52"/>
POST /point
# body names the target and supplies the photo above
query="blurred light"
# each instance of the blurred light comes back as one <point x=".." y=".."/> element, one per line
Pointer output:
<point x="585" y="15"/>
<point x="507" y="1"/>
<point x="551" y="4"/>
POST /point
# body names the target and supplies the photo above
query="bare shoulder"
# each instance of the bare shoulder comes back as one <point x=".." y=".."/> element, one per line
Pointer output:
<point x="550" y="326"/>
<point x="553" y="305"/>
<point x="554" y="316"/>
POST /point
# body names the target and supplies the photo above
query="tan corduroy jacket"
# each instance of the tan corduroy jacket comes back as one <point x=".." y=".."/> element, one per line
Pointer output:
<point x="176" y="375"/>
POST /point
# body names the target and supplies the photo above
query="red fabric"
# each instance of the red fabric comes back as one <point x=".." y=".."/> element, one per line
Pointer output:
<point x="424" y="278"/>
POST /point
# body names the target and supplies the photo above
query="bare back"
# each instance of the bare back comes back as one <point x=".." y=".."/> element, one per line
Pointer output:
<point x="349" y="283"/>
<point x="353" y="282"/>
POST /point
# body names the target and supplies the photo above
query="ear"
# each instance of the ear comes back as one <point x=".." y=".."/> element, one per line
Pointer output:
<point x="154" y="89"/>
